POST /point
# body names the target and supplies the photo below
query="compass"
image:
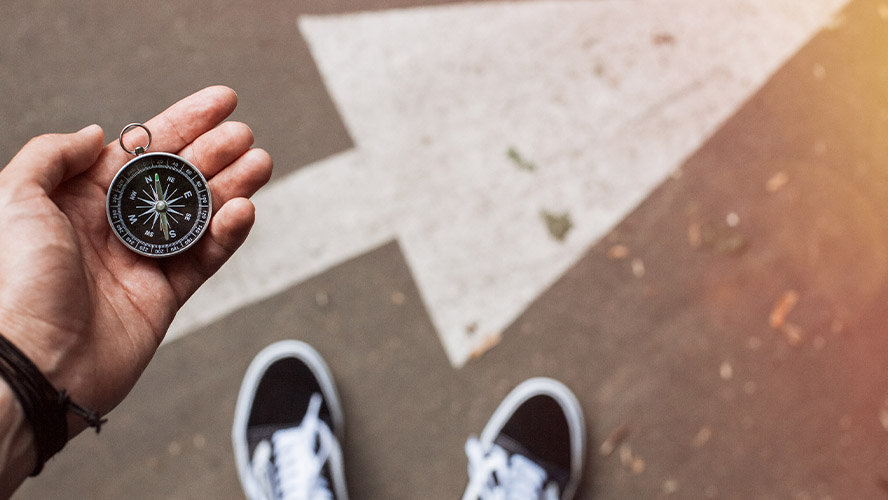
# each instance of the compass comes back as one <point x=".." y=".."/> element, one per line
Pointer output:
<point x="158" y="204"/>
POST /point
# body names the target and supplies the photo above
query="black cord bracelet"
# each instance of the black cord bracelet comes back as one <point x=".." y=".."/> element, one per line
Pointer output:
<point x="44" y="407"/>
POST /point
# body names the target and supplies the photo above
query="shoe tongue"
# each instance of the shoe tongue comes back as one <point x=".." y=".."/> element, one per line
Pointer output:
<point x="553" y="472"/>
<point x="260" y="433"/>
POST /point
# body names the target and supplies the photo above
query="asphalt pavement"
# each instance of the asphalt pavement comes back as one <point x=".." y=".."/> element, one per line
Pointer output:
<point x="726" y="339"/>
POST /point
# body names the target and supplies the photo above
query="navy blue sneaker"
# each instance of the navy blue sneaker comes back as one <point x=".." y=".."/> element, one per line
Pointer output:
<point x="533" y="447"/>
<point x="288" y="427"/>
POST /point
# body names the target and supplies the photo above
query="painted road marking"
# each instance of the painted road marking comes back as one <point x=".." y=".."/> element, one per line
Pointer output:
<point x="605" y="98"/>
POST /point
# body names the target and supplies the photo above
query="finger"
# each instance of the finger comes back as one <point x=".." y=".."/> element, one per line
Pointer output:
<point x="173" y="129"/>
<point x="242" y="178"/>
<point x="48" y="160"/>
<point x="228" y="229"/>
<point x="214" y="150"/>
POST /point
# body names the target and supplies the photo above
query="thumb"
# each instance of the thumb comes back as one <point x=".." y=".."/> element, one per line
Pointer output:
<point x="49" y="159"/>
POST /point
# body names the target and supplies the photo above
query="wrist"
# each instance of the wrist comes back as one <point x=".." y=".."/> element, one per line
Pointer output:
<point x="18" y="454"/>
<point x="45" y="408"/>
<point x="42" y="343"/>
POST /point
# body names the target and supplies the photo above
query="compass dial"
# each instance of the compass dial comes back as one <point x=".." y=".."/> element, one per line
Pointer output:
<point x="159" y="204"/>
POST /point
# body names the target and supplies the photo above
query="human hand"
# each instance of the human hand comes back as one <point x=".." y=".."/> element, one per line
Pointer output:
<point x="86" y="310"/>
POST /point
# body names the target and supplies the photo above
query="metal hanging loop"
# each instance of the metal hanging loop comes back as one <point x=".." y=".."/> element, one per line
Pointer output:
<point x="139" y="149"/>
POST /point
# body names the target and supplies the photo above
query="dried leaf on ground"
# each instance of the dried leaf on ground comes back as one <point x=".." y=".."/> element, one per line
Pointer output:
<point x="519" y="161"/>
<point x="721" y="238"/>
<point x="558" y="224"/>
<point x="732" y="219"/>
<point x="754" y="343"/>
<point x="702" y="437"/>
<point x="614" y="439"/>
<point x="729" y="244"/>
<point x="638" y="268"/>
<point x="487" y="344"/>
<point x="777" y="182"/>
<point x="625" y="454"/>
<point x="629" y="460"/>
<point x="784" y="305"/>
<point x="618" y="252"/>
<point x="793" y="334"/>
<point x="663" y="39"/>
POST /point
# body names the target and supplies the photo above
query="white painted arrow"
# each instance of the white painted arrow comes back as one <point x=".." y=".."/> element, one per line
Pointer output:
<point x="606" y="98"/>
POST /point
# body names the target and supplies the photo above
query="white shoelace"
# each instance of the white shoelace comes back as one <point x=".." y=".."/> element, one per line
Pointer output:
<point x="495" y="475"/>
<point x="293" y="470"/>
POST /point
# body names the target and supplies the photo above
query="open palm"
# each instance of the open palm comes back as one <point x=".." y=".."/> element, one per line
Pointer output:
<point x="86" y="310"/>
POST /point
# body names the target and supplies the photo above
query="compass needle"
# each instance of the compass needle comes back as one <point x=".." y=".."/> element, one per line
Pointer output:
<point x="165" y="225"/>
<point x="157" y="188"/>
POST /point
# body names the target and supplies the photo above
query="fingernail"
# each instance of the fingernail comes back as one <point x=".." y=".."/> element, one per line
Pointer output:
<point x="84" y="129"/>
